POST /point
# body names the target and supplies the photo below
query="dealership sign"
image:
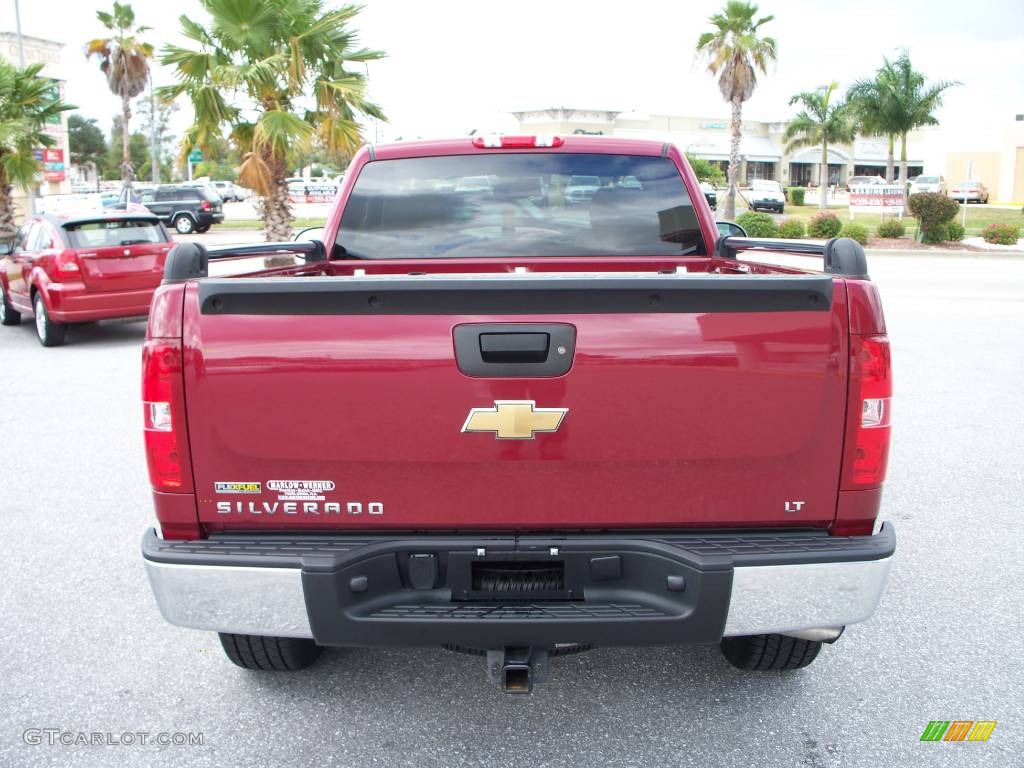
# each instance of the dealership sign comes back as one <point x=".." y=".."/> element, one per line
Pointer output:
<point x="877" y="198"/>
<point x="312" y="192"/>
<point x="53" y="164"/>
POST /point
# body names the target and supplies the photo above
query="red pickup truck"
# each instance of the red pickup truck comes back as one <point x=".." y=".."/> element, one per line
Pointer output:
<point x="64" y="270"/>
<point x="485" y="417"/>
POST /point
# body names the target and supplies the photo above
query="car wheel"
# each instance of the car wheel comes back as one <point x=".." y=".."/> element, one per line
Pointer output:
<point x="8" y="314"/>
<point x="762" y="653"/>
<point x="184" y="224"/>
<point x="202" y="230"/>
<point x="50" y="333"/>
<point x="272" y="654"/>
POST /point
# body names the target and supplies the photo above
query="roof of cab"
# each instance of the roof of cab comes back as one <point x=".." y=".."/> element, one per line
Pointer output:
<point x="464" y="146"/>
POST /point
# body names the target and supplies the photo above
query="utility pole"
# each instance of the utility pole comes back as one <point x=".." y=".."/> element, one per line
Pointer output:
<point x="21" y="45"/>
<point x="21" y="65"/>
<point x="154" y="160"/>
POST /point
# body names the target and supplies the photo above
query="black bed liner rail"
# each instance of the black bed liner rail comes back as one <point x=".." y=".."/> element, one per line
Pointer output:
<point x="842" y="256"/>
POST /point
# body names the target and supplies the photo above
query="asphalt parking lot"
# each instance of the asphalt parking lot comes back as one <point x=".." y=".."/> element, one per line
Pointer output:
<point x="84" y="648"/>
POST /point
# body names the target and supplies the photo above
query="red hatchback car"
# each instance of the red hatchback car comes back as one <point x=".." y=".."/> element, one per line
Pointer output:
<point x="67" y="270"/>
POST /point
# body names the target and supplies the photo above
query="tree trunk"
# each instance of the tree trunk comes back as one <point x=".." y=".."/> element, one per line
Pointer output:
<point x="277" y="212"/>
<point x="823" y="180"/>
<point x="8" y="227"/>
<point x="889" y="161"/>
<point x="734" y="159"/>
<point x="903" y="163"/>
<point x="127" y="171"/>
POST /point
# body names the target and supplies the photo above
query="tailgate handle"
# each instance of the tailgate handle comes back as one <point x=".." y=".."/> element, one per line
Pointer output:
<point x="514" y="350"/>
<point x="514" y="347"/>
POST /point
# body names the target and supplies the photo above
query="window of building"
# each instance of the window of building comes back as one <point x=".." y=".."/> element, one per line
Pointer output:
<point x="760" y="170"/>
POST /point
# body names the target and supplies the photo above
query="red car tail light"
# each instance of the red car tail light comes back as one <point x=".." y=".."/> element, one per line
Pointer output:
<point x="164" y="417"/>
<point x="868" y="428"/>
<point x="517" y="142"/>
<point x="204" y="205"/>
<point x="66" y="264"/>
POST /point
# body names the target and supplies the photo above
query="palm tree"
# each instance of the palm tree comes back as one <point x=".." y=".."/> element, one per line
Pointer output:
<point x="913" y="100"/>
<point x="823" y="122"/>
<point x="124" y="59"/>
<point x="734" y="53"/>
<point x="28" y="103"/>
<point x="874" y="111"/>
<point x="273" y="73"/>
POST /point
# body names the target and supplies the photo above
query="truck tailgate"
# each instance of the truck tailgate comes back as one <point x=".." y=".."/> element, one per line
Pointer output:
<point x="687" y="404"/>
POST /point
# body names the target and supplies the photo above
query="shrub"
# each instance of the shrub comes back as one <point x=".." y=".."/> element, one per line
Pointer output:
<point x="891" y="228"/>
<point x="705" y="170"/>
<point x="856" y="231"/>
<point x="955" y="231"/>
<point x="824" y="224"/>
<point x="1001" y="234"/>
<point x="792" y="229"/>
<point x="796" y="195"/>
<point x="758" y="224"/>
<point x="939" y="233"/>
<point x="932" y="210"/>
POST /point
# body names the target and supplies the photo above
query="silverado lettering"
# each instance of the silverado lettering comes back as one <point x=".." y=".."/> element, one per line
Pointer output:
<point x="587" y="410"/>
<point x="294" y="508"/>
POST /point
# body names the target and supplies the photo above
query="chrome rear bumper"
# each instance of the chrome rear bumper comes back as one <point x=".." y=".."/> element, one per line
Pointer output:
<point x="814" y="599"/>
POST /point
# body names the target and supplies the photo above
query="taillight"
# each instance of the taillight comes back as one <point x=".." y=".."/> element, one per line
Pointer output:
<point x="204" y="205"/>
<point x="66" y="264"/>
<point x="163" y="415"/>
<point x="868" y="425"/>
<point x="493" y="141"/>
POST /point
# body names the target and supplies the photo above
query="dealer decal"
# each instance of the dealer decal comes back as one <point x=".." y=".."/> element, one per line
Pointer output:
<point x="237" y="487"/>
<point x="300" y="490"/>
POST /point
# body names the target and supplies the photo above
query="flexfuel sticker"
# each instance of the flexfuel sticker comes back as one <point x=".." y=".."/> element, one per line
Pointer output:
<point x="238" y="488"/>
<point x="300" y="490"/>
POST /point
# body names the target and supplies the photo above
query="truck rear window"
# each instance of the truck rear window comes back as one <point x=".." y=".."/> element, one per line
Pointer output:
<point x="104" y="234"/>
<point x="519" y="205"/>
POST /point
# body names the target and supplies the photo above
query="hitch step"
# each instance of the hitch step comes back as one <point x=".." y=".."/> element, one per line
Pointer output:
<point x="517" y="669"/>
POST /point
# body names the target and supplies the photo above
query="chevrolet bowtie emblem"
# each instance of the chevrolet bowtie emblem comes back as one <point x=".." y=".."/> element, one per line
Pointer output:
<point x="514" y="419"/>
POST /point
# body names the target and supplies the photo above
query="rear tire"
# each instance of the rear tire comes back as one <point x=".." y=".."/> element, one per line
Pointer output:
<point x="270" y="654"/>
<point x="184" y="224"/>
<point x="50" y="333"/>
<point x="762" y="653"/>
<point x="8" y="314"/>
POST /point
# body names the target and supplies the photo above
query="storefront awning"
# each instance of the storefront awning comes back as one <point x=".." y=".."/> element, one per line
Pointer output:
<point x="813" y="155"/>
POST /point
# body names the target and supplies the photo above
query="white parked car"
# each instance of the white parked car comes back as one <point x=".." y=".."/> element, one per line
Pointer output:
<point x="928" y="184"/>
<point x="860" y="181"/>
<point x="970" y="192"/>
<point x="767" y="195"/>
<point x="227" y="190"/>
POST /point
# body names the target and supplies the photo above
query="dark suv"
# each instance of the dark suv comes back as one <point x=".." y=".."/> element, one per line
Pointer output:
<point x="187" y="209"/>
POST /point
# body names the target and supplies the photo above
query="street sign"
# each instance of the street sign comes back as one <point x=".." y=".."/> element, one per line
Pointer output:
<point x="195" y="156"/>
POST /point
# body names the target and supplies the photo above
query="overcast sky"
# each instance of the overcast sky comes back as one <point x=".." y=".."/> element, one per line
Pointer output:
<point x="455" y="65"/>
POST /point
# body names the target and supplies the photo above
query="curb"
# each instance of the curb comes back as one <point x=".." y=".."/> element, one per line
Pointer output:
<point x="942" y="253"/>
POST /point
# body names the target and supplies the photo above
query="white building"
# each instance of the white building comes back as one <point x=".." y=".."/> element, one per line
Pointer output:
<point x="762" y="149"/>
<point x="54" y="178"/>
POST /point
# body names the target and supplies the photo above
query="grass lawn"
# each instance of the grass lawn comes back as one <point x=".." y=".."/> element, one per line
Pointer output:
<point x="978" y="217"/>
<point x="297" y="224"/>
